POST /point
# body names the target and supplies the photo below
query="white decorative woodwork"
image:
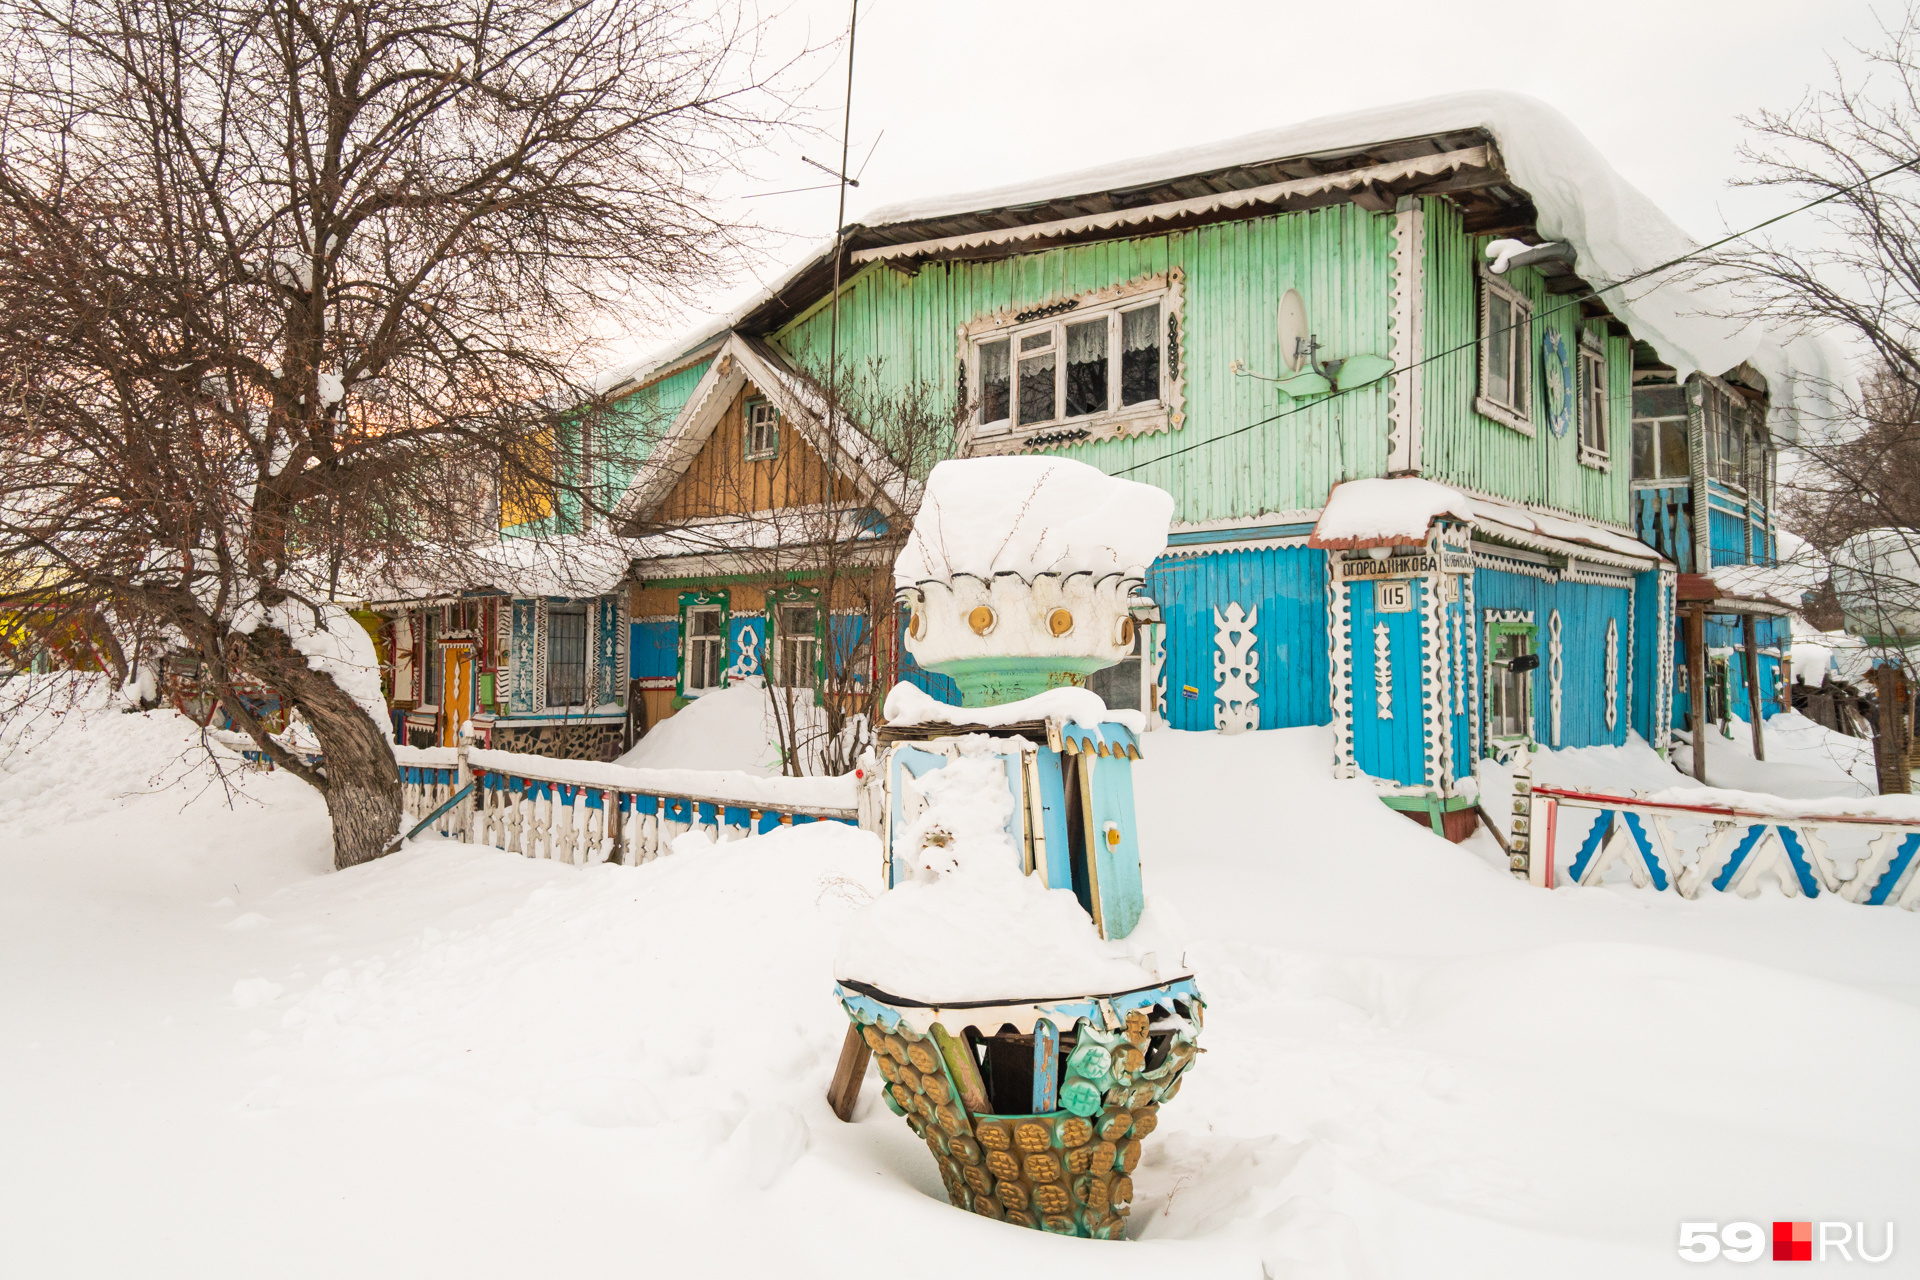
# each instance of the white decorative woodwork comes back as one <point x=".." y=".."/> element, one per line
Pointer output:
<point x="1382" y="672"/>
<point x="1236" y="669"/>
<point x="1613" y="673"/>
<point x="1556" y="669"/>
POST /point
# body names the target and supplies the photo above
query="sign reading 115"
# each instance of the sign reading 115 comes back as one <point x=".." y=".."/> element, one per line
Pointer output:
<point x="1393" y="596"/>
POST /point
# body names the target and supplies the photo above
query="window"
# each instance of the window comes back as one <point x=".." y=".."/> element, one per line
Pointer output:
<point x="1593" y="403"/>
<point x="706" y="650"/>
<point x="1727" y="417"/>
<point x="763" y="430"/>
<point x="1103" y="361"/>
<point x="1506" y="355"/>
<point x="566" y="655"/>
<point x="1510" y="680"/>
<point x="1660" y="432"/>
<point x="798" y="645"/>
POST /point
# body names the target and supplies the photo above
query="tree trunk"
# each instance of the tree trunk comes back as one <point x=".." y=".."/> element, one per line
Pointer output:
<point x="362" y="782"/>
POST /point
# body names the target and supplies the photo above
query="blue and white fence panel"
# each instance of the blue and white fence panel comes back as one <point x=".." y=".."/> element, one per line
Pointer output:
<point x="1577" y="837"/>
<point x="582" y="812"/>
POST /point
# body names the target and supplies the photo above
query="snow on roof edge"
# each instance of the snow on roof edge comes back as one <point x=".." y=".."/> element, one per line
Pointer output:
<point x="1616" y="230"/>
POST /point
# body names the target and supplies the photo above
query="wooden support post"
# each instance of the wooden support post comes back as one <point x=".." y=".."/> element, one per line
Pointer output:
<point x="1046" y="1067"/>
<point x="1753" y="684"/>
<point x="462" y="775"/>
<point x="1893" y="741"/>
<point x="1697" y="687"/>
<point x="848" y="1073"/>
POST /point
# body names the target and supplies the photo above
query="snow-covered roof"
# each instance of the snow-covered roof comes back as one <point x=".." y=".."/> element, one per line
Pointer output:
<point x="1615" y="230"/>
<point x="1032" y="515"/>
<point x="562" y="565"/>
<point x="1398" y="512"/>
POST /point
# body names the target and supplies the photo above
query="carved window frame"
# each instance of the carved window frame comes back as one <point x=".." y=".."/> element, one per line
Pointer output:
<point x="1501" y="622"/>
<point x="1516" y="413"/>
<point x="1167" y="413"/>
<point x="1594" y="418"/>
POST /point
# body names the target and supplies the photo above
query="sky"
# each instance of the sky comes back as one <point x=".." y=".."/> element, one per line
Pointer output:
<point x="957" y="97"/>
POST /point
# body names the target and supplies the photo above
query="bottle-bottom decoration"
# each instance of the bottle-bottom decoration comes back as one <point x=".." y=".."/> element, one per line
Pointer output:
<point x="969" y="1096"/>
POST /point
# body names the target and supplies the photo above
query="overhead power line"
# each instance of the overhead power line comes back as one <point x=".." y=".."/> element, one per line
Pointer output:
<point x="1572" y="301"/>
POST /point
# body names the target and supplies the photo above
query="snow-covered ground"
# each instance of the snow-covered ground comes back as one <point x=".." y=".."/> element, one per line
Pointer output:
<point x="1805" y="760"/>
<point x="219" y="1058"/>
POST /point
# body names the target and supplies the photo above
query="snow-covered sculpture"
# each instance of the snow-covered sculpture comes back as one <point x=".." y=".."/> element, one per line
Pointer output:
<point x="1023" y="574"/>
<point x="1006" y="984"/>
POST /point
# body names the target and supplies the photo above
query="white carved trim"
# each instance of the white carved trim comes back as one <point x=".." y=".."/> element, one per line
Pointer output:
<point x="1236" y="669"/>
<point x="1511" y="564"/>
<point x="1409" y="293"/>
<point x="1631" y="672"/>
<point x="1613" y="673"/>
<point x="1382" y="672"/>
<point x="1662" y="725"/>
<point x="1471" y="671"/>
<point x="1340" y="673"/>
<point x="1556" y="669"/>
<point x="1436" y="672"/>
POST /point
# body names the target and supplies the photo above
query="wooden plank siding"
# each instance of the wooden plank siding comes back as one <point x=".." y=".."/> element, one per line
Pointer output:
<point x="1288" y="585"/>
<point x="722" y="481"/>
<point x="1584" y="612"/>
<point x="1461" y="446"/>
<point x="1389" y="746"/>
<point x="906" y="327"/>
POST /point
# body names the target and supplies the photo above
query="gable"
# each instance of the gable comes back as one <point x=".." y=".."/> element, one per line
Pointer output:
<point x="721" y="480"/>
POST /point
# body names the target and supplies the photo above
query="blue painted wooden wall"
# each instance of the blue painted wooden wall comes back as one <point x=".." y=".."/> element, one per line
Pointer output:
<point x="1289" y="587"/>
<point x="1384" y="748"/>
<point x="653" y="650"/>
<point x="1648" y="640"/>
<point x="1584" y="611"/>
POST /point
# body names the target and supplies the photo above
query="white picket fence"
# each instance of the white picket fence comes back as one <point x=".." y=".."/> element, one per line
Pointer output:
<point x="1576" y="837"/>
<point x="581" y="812"/>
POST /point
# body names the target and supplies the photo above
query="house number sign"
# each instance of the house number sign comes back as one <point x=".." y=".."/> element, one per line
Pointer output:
<point x="1394" y="596"/>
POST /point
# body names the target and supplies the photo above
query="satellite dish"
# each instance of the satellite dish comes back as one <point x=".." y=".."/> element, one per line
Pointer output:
<point x="1293" y="331"/>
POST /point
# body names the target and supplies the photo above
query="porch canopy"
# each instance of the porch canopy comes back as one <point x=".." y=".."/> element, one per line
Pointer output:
<point x="1381" y="513"/>
<point x="1748" y="592"/>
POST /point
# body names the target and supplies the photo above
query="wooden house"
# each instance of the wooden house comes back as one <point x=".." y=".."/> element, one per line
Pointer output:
<point x="1419" y="294"/>
<point x="531" y="649"/>
<point x="760" y="534"/>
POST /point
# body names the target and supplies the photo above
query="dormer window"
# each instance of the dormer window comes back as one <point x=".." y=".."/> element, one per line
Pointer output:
<point x="1092" y="367"/>
<point x="763" y="430"/>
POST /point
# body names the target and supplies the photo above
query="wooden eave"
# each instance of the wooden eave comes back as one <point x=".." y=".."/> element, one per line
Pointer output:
<point x="1702" y="594"/>
<point x="1487" y="200"/>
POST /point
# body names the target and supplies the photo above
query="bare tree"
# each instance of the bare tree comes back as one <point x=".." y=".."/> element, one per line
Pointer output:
<point x="292" y="288"/>
<point x="1852" y="486"/>
<point x="819" y="545"/>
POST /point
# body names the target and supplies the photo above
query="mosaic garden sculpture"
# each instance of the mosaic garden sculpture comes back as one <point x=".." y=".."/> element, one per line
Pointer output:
<point x="1019" y="1033"/>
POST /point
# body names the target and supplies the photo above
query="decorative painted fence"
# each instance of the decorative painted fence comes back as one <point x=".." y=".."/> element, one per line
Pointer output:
<point x="581" y="812"/>
<point x="1573" y="837"/>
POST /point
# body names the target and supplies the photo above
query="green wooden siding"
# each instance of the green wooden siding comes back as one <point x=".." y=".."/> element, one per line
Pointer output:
<point x="633" y="425"/>
<point x="1459" y="445"/>
<point x="904" y="329"/>
<point x="1339" y="258"/>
